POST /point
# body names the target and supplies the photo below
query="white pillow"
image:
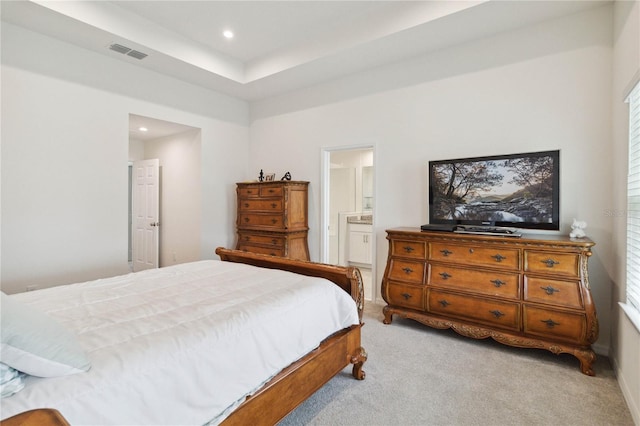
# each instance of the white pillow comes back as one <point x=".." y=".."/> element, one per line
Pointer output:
<point x="36" y="344"/>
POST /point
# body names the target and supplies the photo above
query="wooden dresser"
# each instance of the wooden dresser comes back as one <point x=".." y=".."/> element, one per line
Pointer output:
<point x="528" y="292"/>
<point x="272" y="218"/>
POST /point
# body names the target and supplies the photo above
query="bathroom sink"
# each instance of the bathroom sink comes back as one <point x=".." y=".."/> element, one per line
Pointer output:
<point x="364" y="219"/>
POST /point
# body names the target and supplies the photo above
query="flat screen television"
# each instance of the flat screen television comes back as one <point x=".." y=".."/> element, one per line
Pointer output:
<point x="515" y="190"/>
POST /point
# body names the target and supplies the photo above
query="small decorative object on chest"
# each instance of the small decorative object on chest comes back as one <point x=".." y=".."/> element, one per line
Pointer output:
<point x="577" y="229"/>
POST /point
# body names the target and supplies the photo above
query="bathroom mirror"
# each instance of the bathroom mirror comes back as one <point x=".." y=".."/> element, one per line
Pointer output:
<point x="367" y="188"/>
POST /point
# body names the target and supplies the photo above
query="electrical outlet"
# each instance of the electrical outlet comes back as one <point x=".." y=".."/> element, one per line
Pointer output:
<point x="32" y="287"/>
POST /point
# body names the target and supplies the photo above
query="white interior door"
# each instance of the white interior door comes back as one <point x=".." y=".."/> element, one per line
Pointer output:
<point x="145" y="204"/>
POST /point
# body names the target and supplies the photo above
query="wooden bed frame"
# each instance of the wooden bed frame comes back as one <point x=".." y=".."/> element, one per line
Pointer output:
<point x="293" y="385"/>
<point x="300" y="380"/>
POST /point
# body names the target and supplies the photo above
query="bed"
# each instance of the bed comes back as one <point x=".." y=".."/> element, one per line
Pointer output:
<point x="199" y="343"/>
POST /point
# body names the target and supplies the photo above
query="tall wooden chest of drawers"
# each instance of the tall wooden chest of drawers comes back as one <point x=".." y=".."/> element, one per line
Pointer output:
<point x="272" y="218"/>
<point x="529" y="292"/>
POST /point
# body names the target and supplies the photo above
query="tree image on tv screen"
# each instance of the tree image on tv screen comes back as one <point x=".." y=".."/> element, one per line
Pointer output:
<point x="512" y="190"/>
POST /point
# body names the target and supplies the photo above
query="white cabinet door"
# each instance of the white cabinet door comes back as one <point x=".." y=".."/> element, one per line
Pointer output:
<point x="360" y="247"/>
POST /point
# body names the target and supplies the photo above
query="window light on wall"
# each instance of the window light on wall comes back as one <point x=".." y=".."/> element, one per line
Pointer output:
<point x="632" y="306"/>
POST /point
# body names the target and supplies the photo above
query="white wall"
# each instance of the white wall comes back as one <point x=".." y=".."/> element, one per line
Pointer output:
<point x="180" y="195"/>
<point x="537" y="88"/>
<point x="65" y="114"/>
<point x="626" y="70"/>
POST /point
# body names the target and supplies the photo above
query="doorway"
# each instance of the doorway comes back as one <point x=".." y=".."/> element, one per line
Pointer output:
<point x="178" y="150"/>
<point x="348" y="210"/>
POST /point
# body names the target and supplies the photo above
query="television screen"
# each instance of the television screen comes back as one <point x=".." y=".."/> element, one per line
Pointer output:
<point x="516" y="190"/>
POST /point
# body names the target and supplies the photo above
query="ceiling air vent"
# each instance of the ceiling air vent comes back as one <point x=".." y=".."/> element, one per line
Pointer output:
<point x="119" y="48"/>
<point x="127" y="51"/>
<point x="137" y="55"/>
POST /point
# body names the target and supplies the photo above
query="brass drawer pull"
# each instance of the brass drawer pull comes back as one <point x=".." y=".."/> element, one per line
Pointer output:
<point x="550" y="262"/>
<point x="496" y="313"/>
<point x="549" y="290"/>
<point x="407" y="270"/>
<point x="498" y="257"/>
<point x="444" y="303"/>
<point x="445" y="276"/>
<point x="446" y="252"/>
<point x="498" y="283"/>
<point x="406" y="296"/>
<point x="550" y="323"/>
<point x="408" y="249"/>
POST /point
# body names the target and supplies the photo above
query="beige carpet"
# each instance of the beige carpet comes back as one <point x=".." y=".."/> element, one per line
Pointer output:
<point x="417" y="375"/>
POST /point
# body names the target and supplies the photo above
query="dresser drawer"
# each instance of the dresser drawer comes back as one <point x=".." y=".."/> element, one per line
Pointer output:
<point x="262" y="220"/>
<point x="249" y="191"/>
<point x="553" y="292"/>
<point x="273" y="251"/>
<point x="552" y="263"/>
<point x="406" y="248"/>
<point x="260" y="204"/>
<point x="502" y="284"/>
<point x="267" y="240"/>
<point x="271" y="191"/>
<point x="471" y="255"/>
<point x="549" y="323"/>
<point x="407" y="271"/>
<point x="477" y="309"/>
<point x="407" y="296"/>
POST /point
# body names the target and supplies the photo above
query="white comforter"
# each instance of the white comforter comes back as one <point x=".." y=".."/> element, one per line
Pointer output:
<point x="181" y="344"/>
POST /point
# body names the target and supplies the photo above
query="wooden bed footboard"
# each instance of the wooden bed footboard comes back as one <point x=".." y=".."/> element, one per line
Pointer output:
<point x="347" y="277"/>
<point x="300" y="380"/>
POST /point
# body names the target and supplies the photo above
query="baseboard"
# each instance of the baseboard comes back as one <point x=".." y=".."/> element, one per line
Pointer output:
<point x="626" y="392"/>
<point x="603" y="350"/>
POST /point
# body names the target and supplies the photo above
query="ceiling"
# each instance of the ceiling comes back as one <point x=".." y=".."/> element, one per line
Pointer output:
<point x="279" y="46"/>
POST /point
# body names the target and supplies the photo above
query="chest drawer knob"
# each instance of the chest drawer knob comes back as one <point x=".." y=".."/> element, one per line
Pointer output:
<point x="407" y="270"/>
<point x="274" y="221"/>
<point x="443" y="303"/>
<point x="446" y="252"/>
<point x="498" y="283"/>
<point x="445" y="276"/>
<point x="246" y="204"/>
<point x="408" y="249"/>
<point x="274" y="241"/>
<point x="550" y="290"/>
<point x="550" y="262"/>
<point x="550" y="323"/>
<point x="247" y="238"/>
<point x="498" y="257"/>
<point x="496" y="313"/>
<point x="406" y="296"/>
<point x="274" y="205"/>
<point x="246" y="219"/>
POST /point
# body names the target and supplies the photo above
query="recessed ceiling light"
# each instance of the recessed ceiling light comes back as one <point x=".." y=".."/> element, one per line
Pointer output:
<point x="143" y="129"/>
<point x="227" y="34"/>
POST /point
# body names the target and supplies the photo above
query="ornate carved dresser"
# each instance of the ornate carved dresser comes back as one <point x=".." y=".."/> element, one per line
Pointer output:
<point x="272" y="218"/>
<point x="529" y="292"/>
